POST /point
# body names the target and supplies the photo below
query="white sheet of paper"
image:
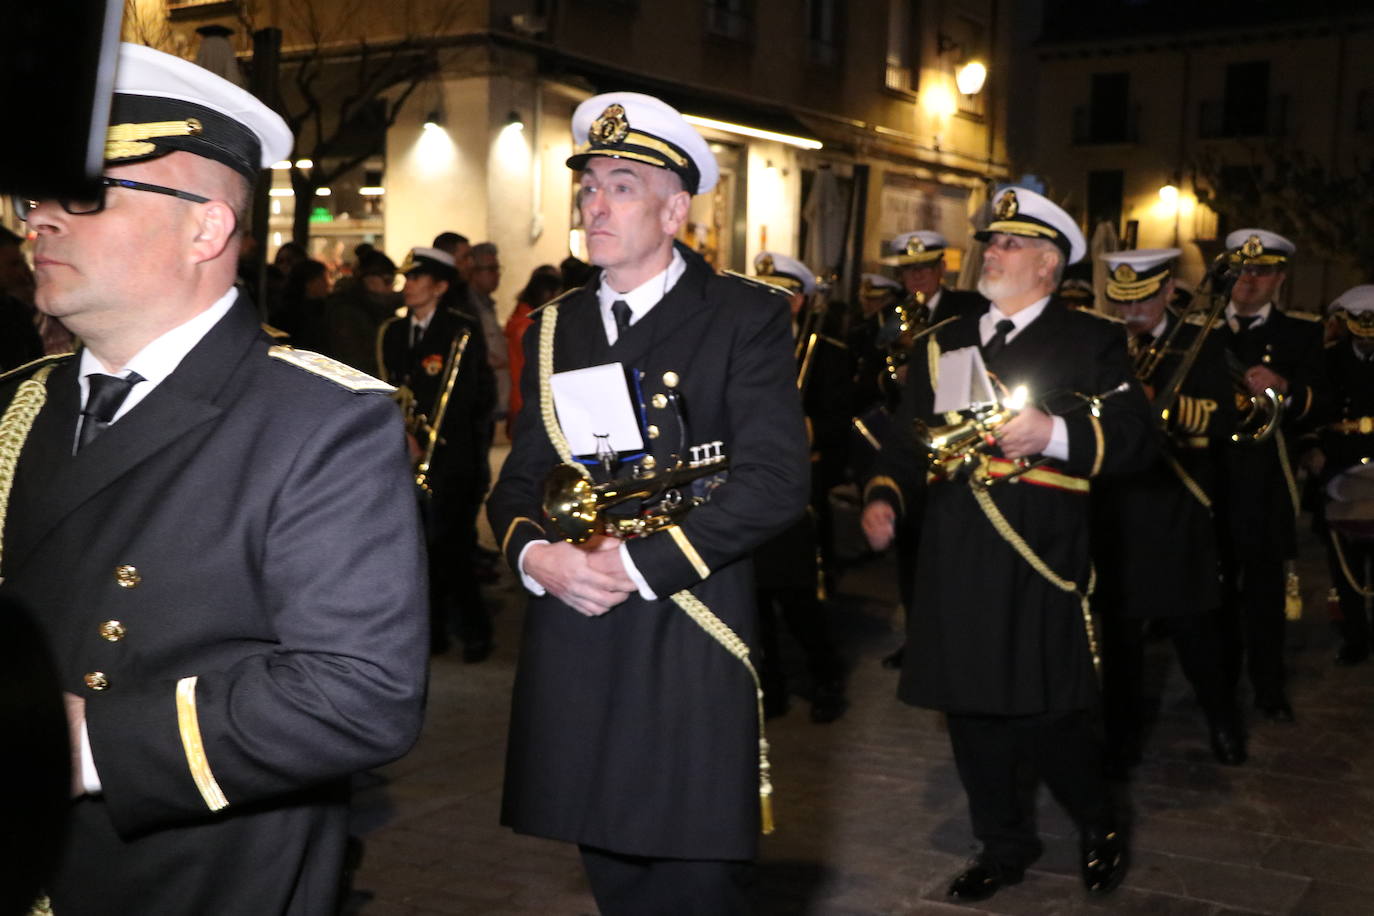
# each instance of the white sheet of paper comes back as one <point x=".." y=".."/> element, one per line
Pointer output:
<point x="963" y="381"/>
<point x="596" y="402"/>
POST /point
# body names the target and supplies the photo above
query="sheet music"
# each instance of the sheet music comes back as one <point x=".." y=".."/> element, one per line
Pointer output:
<point x="963" y="381"/>
<point x="595" y="402"/>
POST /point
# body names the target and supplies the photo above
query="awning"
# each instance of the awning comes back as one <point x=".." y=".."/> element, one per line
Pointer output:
<point x="767" y="121"/>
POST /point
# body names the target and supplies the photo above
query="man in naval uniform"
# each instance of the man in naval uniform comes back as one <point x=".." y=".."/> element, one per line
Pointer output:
<point x="1258" y="501"/>
<point x="999" y="635"/>
<point x="1154" y="540"/>
<point x="218" y="534"/>
<point x="1346" y="450"/>
<point x="920" y="261"/>
<point x="414" y="351"/>
<point x="788" y="568"/>
<point x="634" y="722"/>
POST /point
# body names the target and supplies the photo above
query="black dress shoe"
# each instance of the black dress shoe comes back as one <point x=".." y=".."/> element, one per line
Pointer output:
<point x="1228" y="745"/>
<point x="1351" y="655"/>
<point x="983" y="879"/>
<point x="1105" y="859"/>
<point x="1276" y="710"/>
<point x="893" y="660"/>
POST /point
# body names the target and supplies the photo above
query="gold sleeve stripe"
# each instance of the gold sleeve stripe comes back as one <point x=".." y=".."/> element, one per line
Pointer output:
<point x="1101" y="445"/>
<point x="885" y="481"/>
<point x="189" y="724"/>
<point x="680" y="539"/>
<point x="510" y="530"/>
<point x="868" y="436"/>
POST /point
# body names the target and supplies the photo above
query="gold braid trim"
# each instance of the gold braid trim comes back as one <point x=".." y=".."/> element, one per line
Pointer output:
<point x="14" y="431"/>
<point x="720" y="631"/>
<point x="1363" y="591"/>
<point x="1188" y="482"/>
<point x="716" y="628"/>
<point x="1282" y="445"/>
<point x="15" y="425"/>
<point x="1018" y="543"/>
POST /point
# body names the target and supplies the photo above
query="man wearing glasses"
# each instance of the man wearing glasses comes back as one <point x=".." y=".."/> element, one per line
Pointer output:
<point x="1282" y="352"/>
<point x="217" y="534"/>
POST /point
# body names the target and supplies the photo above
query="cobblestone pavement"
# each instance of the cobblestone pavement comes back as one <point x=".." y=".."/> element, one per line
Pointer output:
<point x="871" y="817"/>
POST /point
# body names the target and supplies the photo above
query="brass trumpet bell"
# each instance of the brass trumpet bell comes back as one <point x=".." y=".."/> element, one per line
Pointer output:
<point x="580" y="509"/>
<point x="953" y="443"/>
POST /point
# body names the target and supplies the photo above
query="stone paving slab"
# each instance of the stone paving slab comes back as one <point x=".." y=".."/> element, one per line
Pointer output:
<point x="872" y="819"/>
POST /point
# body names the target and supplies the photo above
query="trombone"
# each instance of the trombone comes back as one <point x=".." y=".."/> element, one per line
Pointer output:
<point x="430" y="426"/>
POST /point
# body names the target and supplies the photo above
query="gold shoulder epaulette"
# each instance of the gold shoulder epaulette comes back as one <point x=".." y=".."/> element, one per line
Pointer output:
<point x="555" y="300"/>
<point x="1196" y="319"/>
<point x="274" y="333"/>
<point x="33" y="366"/>
<point x="1304" y="316"/>
<point x="337" y="372"/>
<point x="756" y="282"/>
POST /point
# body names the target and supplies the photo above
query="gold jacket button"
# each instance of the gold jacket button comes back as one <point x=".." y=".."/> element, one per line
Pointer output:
<point x="660" y="401"/>
<point x="127" y="576"/>
<point x="653" y="432"/>
<point x="112" y="630"/>
<point x="670" y="379"/>
<point x="97" y="680"/>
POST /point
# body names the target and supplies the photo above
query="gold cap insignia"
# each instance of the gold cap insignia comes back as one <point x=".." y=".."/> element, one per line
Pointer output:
<point x="1007" y="205"/>
<point x="611" y="128"/>
<point x="408" y="264"/>
<point x="1124" y="274"/>
<point x="765" y="265"/>
<point x="915" y="245"/>
<point x="124" y="141"/>
<point x="1253" y="247"/>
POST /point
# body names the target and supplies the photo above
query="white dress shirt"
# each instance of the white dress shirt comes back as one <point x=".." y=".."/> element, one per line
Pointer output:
<point x="157" y="360"/>
<point x="1260" y="317"/>
<point x="987" y="328"/>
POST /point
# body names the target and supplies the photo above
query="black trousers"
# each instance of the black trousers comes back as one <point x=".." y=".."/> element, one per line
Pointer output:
<point x="1359" y="558"/>
<point x="625" y="885"/>
<point x="805" y="618"/>
<point x="455" y="597"/>
<point x="1197" y="640"/>
<point x="1252" y="617"/>
<point x="1002" y="760"/>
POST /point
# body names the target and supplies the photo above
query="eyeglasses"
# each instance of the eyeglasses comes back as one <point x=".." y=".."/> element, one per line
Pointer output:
<point x="85" y="206"/>
<point x="1007" y="242"/>
<point x="1259" y="270"/>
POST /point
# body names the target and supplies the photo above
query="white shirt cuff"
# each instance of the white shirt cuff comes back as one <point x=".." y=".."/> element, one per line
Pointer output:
<point x="90" y="779"/>
<point x="533" y="587"/>
<point x="632" y="571"/>
<point x="1058" y="448"/>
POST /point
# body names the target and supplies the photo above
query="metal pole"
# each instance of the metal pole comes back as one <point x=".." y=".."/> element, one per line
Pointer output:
<point x="264" y="85"/>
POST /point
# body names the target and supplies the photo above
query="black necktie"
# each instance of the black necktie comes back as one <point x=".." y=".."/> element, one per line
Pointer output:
<point x="620" y="310"/>
<point x="416" y="332"/>
<point x="999" y="340"/>
<point x="107" y="392"/>
<point x="1245" y="322"/>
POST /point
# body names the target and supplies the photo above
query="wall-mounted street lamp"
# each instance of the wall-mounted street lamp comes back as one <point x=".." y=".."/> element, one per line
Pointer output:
<point x="969" y="73"/>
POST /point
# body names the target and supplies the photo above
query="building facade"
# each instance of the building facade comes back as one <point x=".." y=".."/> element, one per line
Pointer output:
<point x="836" y="124"/>
<point x="1140" y="101"/>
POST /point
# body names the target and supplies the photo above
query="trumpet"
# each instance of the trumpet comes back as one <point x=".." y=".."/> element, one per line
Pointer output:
<point x="580" y="509"/>
<point x="957" y="447"/>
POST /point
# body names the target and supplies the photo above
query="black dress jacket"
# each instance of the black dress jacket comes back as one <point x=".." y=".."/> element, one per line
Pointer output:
<point x="230" y="577"/>
<point x="636" y="731"/>
<point x="1154" y="537"/>
<point x="987" y="634"/>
